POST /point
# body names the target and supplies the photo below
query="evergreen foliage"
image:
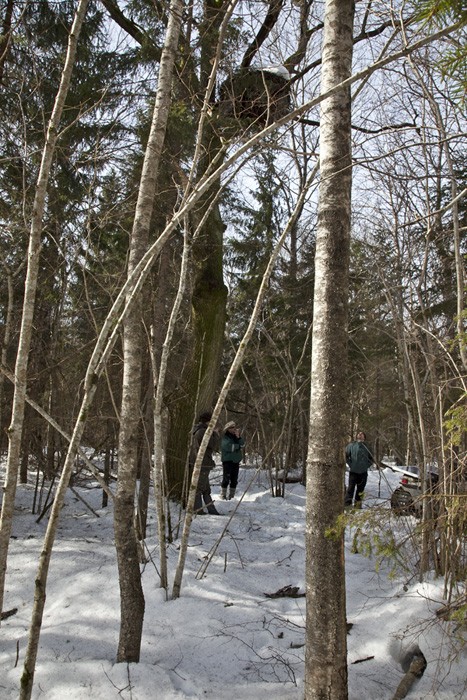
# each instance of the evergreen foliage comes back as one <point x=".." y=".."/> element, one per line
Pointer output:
<point x="275" y="377"/>
<point x="453" y="64"/>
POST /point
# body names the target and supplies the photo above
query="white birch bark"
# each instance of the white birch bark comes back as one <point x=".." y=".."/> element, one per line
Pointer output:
<point x="102" y="350"/>
<point x="21" y="366"/>
<point x="131" y="592"/>
<point x="30" y="287"/>
<point x="326" y="643"/>
<point x="158" y="476"/>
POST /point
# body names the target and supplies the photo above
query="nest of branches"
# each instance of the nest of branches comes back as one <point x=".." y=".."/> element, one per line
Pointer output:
<point x="251" y="96"/>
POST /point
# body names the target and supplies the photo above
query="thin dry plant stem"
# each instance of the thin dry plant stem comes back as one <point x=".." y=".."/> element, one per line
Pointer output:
<point x="459" y="262"/>
<point x="53" y="423"/>
<point x="204" y="566"/>
<point x="460" y="377"/>
<point x="161" y="375"/>
<point x="228" y="381"/>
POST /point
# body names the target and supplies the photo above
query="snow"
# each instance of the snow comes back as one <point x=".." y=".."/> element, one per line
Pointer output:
<point x="223" y="639"/>
<point x="278" y="70"/>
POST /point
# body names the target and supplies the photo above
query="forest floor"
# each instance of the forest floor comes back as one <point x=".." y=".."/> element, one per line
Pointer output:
<point x="225" y="638"/>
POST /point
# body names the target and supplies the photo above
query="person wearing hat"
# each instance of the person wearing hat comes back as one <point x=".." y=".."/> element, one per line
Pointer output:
<point x="203" y="490"/>
<point x="231" y="451"/>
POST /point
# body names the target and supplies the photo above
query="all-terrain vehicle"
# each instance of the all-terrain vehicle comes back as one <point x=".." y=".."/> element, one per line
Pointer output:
<point x="406" y="499"/>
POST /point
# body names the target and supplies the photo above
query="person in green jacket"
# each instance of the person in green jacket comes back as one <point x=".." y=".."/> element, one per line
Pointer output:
<point x="359" y="458"/>
<point x="232" y="453"/>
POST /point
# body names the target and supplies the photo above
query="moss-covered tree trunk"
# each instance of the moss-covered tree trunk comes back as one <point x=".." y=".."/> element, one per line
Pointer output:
<point x="200" y="375"/>
<point x="199" y="379"/>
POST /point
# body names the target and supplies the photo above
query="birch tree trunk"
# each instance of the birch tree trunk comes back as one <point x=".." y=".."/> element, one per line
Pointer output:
<point x="326" y="643"/>
<point x="100" y="355"/>
<point x="110" y="332"/>
<point x="30" y="287"/>
<point x="22" y="357"/>
<point x="131" y="592"/>
<point x="159" y="479"/>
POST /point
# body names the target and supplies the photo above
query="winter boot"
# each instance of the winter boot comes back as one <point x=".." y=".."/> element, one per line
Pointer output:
<point x="212" y="510"/>
<point x="231" y="494"/>
<point x="223" y="494"/>
<point x="198" y="507"/>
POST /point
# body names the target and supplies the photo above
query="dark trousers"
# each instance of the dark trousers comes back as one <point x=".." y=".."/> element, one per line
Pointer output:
<point x="203" y="492"/>
<point x="230" y="474"/>
<point x="357" y="483"/>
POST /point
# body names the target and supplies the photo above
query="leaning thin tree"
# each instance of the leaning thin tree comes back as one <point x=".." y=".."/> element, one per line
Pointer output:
<point x="35" y="241"/>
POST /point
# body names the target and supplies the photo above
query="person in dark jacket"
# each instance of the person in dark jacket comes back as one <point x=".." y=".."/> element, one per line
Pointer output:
<point x="359" y="458"/>
<point x="231" y="451"/>
<point x="203" y="490"/>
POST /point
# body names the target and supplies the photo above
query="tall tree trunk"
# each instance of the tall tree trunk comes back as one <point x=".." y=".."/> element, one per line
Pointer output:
<point x="145" y="452"/>
<point x="326" y="644"/>
<point x="22" y="357"/>
<point x="161" y="373"/>
<point x="199" y="379"/>
<point x="131" y="592"/>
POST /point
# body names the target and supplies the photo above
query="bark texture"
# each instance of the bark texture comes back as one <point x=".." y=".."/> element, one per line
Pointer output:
<point x="199" y="378"/>
<point x="131" y="591"/>
<point x="21" y="366"/>
<point x="326" y="645"/>
<point x="35" y="238"/>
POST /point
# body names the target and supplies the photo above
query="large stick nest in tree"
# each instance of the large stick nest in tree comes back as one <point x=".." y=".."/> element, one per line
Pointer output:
<point x="251" y="96"/>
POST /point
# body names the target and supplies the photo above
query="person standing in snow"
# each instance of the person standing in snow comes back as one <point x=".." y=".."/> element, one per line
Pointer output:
<point x="231" y="451"/>
<point x="203" y="490"/>
<point x="359" y="458"/>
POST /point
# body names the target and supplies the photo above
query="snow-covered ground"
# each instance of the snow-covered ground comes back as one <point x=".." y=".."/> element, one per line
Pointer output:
<point x="223" y="639"/>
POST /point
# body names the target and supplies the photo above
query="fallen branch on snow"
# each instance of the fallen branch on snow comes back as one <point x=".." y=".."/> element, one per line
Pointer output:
<point x="286" y="592"/>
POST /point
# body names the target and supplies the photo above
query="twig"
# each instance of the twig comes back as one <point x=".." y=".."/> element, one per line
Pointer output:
<point x="203" y="568"/>
<point x="8" y="613"/>
<point x="80" y="498"/>
<point x="286" y="592"/>
<point x="446" y="610"/>
<point x="360" y="661"/>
